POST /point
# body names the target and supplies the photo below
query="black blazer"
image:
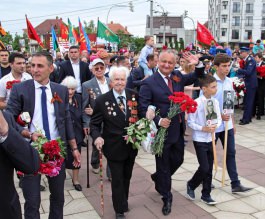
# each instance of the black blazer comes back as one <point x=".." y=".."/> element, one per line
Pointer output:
<point x="66" y="69"/>
<point x="76" y="116"/>
<point x="108" y="113"/>
<point x="22" y="99"/>
<point x="16" y="153"/>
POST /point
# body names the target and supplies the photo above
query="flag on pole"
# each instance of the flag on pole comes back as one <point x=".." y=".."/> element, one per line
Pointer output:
<point x="32" y="34"/>
<point x="2" y="45"/>
<point x="104" y="32"/>
<point x="2" y="31"/>
<point x="72" y="34"/>
<point x="83" y="34"/>
<point x="64" y="31"/>
<point x="55" y="44"/>
<point x="204" y="35"/>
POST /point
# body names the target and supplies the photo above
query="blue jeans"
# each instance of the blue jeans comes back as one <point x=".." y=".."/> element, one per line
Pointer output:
<point x="231" y="155"/>
<point x="147" y="71"/>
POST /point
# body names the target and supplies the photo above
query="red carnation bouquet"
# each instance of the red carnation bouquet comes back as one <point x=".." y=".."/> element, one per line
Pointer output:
<point x="241" y="63"/>
<point x="261" y="71"/>
<point x="52" y="154"/>
<point x="179" y="102"/>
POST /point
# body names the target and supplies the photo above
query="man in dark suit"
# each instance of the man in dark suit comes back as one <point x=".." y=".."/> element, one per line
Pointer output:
<point x="47" y="104"/>
<point x="251" y="83"/>
<point x="111" y="111"/>
<point x="155" y="91"/>
<point x="74" y="67"/>
<point x="138" y="73"/>
<point x="228" y="103"/>
<point x="16" y="153"/>
<point x="91" y="90"/>
<point x="211" y="114"/>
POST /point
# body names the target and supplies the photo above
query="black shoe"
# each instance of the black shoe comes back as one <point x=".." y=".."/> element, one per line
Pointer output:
<point x="77" y="187"/>
<point x="243" y="123"/>
<point x="167" y="206"/>
<point x="153" y="177"/>
<point x="42" y="188"/>
<point x="258" y="118"/>
<point x="240" y="188"/>
<point x="190" y="193"/>
<point x="120" y="216"/>
<point x="208" y="200"/>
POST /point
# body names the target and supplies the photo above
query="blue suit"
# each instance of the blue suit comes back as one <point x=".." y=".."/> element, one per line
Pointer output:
<point x="251" y="83"/>
<point x="154" y="91"/>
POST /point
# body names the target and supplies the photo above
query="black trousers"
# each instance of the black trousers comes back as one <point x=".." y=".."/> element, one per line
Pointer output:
<point x="204" y="152"/>
<point x="121" y="172"/>
<point x="31" y="192"/>
<point x="167" y="165"/>
<point x="260" y="97"/>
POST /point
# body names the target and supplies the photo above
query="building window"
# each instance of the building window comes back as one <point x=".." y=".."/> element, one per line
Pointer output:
<point x="236" y="21"/>
<point x="223" y="32"/>
<point x="249" y="21"/>
<point x="224" y="18"/>
<point x="236" y="7"/>
<point x="263" y="22"/>
<point x="224" y="4"/>
<point x="262" y="36"/>
<point x="235" y="34"/>
<point x="249" y="8"/>
<point x="248" y="35"/>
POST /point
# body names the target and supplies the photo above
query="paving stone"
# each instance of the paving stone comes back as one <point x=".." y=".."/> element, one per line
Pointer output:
<point x="236" y="206"/>
<point x="76" y="194"/>
<point x="260" y="215"/>
<point x="77" y="206"/>
<point x="226" y="215"/>
<point x="84" y="215"/>
<point x="257" y="201"/>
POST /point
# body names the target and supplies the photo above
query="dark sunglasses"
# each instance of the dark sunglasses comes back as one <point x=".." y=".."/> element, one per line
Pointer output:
<point x="99" y="68"/>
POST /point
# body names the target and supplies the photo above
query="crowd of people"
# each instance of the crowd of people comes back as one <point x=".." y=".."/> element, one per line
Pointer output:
<point x="94" y="90"/>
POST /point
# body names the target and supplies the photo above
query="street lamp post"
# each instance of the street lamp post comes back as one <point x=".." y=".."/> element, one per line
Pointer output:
<point x="194" y="34"/>
<point x="164" y="15"/>
<point x="120" y="6"/>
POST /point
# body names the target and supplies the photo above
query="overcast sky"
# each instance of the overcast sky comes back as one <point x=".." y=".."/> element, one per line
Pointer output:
<point x="12" y="12"/>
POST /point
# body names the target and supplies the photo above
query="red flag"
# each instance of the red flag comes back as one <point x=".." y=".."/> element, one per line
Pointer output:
<point x="204" y="35"/>
<point x="64" y="31"/>
<point x="32" y="34"/>
<point x="76" y="35"/>
<point x="82" y="40"/>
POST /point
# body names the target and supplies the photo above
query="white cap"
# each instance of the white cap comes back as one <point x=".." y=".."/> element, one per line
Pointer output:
<point x="96" y="61"/>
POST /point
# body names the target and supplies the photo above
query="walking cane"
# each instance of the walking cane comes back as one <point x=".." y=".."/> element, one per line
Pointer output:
<point x="101" y="183"/>
<point x="225" y="153"/>
<point x="214" y="154"/>
<point x="87" y="161"/>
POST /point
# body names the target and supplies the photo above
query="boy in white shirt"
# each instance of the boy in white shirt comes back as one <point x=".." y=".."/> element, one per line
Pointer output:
<point x="202" y="140"/>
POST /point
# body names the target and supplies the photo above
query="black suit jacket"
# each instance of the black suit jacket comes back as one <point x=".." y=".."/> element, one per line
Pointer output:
<point x="15" y="152"/>
<point x="114" y="121"/>
<point x="66" y="69"/>
<point x="76" y="116"/>
<point x="22" y="99"/>
<point x="154" y="91"/>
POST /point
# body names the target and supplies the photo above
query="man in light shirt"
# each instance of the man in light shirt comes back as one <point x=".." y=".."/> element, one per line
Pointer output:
<point x="17" y="74"/>
<point x="74" y="67"/>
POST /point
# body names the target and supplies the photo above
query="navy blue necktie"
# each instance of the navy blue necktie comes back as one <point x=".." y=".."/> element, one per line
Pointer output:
<point x="45" y="120"/>
<point x="121" y="102"/>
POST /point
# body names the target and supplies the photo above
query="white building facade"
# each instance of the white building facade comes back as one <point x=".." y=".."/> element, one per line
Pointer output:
<point x="237" y="21"/>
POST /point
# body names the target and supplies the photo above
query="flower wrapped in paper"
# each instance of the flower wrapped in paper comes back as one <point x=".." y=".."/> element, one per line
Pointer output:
<point x="179" y="102"/>
<point x="261" y="71"/>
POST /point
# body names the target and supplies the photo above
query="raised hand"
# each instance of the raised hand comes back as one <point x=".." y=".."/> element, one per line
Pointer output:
<point x="192" y="59"/>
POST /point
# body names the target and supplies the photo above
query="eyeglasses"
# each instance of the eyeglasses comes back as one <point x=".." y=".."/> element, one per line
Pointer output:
<point x="99" y="68"/>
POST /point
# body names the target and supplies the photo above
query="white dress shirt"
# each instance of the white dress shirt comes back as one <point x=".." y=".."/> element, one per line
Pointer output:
<point x="37" y="123"/>
<point x="76" y="69"/>
<point x="123" y="94"/>
<point x="104" y="87"/>
<point x="223" y="85"/>
<point x="197" y="120"/>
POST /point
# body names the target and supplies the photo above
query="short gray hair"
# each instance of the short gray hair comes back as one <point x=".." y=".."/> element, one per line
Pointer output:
<point x="69" y="82"/>
<point x="115" y="69"/>
<point x="169" y="51"/>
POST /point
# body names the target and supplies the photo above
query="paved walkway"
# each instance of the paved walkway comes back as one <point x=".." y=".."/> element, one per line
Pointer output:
<point x="144" y="202"/>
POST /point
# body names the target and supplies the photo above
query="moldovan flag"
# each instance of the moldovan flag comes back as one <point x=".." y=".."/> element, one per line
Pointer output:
<point x="55" y="44"/>
<point x="2" y="31"/>
<point x="204" y="35"/>
<point x="32" y="34"/>
<point x="104" y="32"/>
<point x="64" y="31"/>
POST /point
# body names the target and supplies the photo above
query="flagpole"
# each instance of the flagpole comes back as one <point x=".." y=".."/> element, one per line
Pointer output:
<point x="97" y="37"/>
